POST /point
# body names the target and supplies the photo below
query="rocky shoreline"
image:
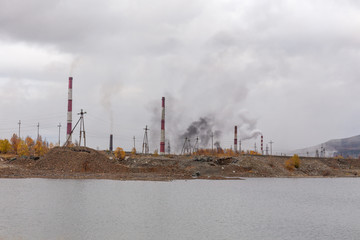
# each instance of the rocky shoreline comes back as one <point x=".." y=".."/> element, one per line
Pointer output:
<point x="86" y="163"/>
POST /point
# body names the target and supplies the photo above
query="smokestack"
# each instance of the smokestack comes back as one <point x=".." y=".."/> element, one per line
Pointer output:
<point x="69" y="113"/>
<point x="162" y="140"/>
<point x="111" y="143"/>
<point x="262" y="144"/>
<point x="235" y="140"/>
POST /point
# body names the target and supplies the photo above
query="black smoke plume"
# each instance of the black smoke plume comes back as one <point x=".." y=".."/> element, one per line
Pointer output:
<point x="203" y="129"/>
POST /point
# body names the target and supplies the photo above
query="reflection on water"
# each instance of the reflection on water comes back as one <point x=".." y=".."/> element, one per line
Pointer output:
<point x="250" y="209"/>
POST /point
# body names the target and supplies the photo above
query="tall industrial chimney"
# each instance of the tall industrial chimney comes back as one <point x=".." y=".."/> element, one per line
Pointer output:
<point x="69" y="113"/>
<point x="235" y="140"/>
<point x="111" y="143"/>
<point x="162" y="140"/>
<point x="262" y="144"/>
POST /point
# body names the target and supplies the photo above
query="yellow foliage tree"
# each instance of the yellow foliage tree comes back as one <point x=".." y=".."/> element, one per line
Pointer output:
<point x="15" y="140"/>
<point x="23" y="149"/>
<point x="133" y="151"/>
<point x="293" y="162"/>
<point x="229" y="153"/>
<point x="156" y="153"/>
<point x="5" y="146"/>
<point x="30" y="144"/>
<point x="119" y="153"/>
<point x="40" y="147"/>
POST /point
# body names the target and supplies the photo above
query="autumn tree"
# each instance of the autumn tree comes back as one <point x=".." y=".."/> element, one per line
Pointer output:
<point x="15" y="140"/>
<point x="119" y="153"/>
<point x="293" y="162"/>
<point x="5" y="146"/>
<point x="133" y="151"/>
<point x="30" y="144"/>
<point x="39" y="147"/>
<point x="229" y="153"/>
<point x="23" y="149"/>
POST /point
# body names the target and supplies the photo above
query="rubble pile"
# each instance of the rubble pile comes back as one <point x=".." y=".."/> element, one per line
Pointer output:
<point x="77" y="159"/>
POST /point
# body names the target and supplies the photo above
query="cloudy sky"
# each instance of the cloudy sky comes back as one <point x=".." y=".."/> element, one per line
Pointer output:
<point x="289" y="69"/>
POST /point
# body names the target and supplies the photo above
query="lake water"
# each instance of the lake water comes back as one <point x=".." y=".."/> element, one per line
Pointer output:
<point x="251" y="209"/>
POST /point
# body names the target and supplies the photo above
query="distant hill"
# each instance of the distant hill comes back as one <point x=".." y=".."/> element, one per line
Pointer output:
<point x="347" y="147"/>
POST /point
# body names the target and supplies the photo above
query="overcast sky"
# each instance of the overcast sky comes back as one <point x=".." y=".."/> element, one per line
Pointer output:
<point x="287" y="68"/>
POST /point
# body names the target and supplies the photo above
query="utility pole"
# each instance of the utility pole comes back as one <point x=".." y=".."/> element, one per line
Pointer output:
<point x="267" y="149"/>
<point x="212" y="142"/>
<point x="19" y="127"/>
<point x="59" y="126"/>
<point x="168" y="148"/>
<point x="134" y="142"/>
<point x="196" y="146"/>
<point x="189" y="146"/>
<point x="38" y="127"/>
<point x="145" y="146"/>
<point x="271" y="143"/>
<point x="240" y="147"/>
<point x="82" y="130"/>
<point x="255" y="148"/>
<point x="82" y="127"/>
<point x="183" y="150"/>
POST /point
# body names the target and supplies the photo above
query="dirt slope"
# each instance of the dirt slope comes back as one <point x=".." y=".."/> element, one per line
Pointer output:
<point x="80" y="162"/>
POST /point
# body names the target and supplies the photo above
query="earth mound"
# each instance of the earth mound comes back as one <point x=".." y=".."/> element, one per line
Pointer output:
<point x="77" y="159"/>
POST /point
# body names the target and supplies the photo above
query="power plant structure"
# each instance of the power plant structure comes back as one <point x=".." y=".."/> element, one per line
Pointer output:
<point x="69" y="112"/>
<point x="187" y="146"/>
<point x="162" y="140"/>
<point x="235" y="140"/>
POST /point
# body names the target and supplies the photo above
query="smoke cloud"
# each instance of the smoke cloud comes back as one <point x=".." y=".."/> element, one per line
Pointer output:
<point x="247" y="126"/>
<point x="203" y="129"/>
<point x="74" y="64"/>
<point x="108" y="91"/>
<point x="217" y="145"/>
<point x="219" y="122"/>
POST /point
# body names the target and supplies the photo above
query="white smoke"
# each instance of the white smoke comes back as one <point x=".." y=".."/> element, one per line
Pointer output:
<point x="108" y="91"/>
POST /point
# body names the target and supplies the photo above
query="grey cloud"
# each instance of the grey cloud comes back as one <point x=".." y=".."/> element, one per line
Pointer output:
<point x="207" y="58"/>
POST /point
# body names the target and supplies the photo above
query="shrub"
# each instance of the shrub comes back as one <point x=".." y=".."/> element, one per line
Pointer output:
<point x="119" y="153"/>
<point x="293" y="162"/>
<point x="296" y="161"/>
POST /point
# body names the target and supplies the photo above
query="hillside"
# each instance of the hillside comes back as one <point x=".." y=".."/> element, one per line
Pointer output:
<point x="346" y="147"/>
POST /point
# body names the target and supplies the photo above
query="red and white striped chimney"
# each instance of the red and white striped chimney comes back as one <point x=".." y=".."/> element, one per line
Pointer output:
<point x="262" y="144"/>
<point x="235" y="140"/>
<point x="69" y="113"/>
<point x="162" y="140"/>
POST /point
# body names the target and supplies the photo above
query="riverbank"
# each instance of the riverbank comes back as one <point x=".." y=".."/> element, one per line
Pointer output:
<point x="86" y="163"/>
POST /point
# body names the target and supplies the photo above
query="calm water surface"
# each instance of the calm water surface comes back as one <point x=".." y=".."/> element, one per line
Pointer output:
<point x="250" y="209"/>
